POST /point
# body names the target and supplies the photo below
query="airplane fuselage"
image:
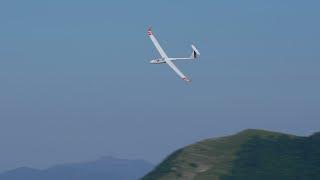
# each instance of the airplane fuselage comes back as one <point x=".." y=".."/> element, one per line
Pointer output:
<point x="158" y="61"/>
<point x="165" y="59"/>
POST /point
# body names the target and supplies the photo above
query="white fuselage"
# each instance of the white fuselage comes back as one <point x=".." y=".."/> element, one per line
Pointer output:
<point x="158" y="61"/>
<point x="165" y="59"/>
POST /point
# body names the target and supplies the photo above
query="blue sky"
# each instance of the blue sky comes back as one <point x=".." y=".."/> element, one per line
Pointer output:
<point x="76" y="83"/>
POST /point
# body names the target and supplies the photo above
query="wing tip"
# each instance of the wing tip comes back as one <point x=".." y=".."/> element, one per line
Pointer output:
<point x="150" y="31"/>
<point x="186" y="79"/>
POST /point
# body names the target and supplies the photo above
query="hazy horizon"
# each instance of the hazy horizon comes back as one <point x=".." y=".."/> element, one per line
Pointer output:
<point x="76" y="83"/>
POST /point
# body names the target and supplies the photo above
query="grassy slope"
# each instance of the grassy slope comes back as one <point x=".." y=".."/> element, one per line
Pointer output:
<point x="282" y="158"/>
<point x="208" y="159"/>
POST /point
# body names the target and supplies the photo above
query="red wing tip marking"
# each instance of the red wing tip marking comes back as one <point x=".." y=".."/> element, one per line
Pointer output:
<point x="150" y="31"/>
<point x="186" y="79"/>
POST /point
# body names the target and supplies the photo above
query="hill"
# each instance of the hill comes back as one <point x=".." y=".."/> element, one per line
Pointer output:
<point x="248" y="155"/>
<point x="102" y="169"/>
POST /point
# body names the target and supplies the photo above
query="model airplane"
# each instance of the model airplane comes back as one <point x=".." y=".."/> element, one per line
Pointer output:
<point x="165" y="59"/>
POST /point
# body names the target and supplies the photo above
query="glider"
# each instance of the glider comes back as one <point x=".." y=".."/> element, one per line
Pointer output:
<point x="165" y="59"/>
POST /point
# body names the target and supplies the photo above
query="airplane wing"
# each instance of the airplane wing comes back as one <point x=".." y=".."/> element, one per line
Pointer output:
<point x="174" y="67"/>
<point x="156" y="44"/>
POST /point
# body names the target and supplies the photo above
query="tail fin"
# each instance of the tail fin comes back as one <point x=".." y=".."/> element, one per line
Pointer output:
<point x="195" y="52"/>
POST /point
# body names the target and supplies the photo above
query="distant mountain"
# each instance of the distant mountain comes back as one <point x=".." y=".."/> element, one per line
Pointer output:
<point x="103" y="169"/>
<point x="248" y="155"/>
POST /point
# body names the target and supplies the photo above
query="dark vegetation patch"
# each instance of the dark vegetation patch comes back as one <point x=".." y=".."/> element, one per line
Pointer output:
<point x="194" y="165"/>
<point x="282" y="158"/>
<point x="167" y="166"/>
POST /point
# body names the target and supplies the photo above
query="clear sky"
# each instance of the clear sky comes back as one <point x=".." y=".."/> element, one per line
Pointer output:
<point x="76" y="83"/>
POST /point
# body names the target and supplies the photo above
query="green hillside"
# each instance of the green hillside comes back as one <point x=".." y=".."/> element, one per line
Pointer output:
<point x="248" y="155"/>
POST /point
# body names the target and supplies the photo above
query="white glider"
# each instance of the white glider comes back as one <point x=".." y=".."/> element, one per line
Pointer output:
<point x="165" y="59"/>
